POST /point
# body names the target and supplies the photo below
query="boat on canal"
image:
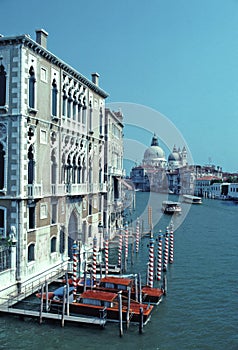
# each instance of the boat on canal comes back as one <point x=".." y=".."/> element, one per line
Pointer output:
<point x="192" y="199"/>
<point x="170" y="207"/>
<point x="114" y="284"/>
<point x="93" y="303"/>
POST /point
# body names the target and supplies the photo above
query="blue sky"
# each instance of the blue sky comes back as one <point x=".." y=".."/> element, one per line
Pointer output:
<point x="179" y="57"/>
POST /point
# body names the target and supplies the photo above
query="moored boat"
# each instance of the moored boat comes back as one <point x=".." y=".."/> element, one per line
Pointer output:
<point x="192" y="199"/>
<point x="93" y="302"/>
<point x="170" y="207"/>
<point x="115" y="284"/>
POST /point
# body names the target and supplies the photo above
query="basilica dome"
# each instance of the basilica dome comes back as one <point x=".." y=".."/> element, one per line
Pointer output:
<point x="174" y="156"/>
<point x="154" y="155"/>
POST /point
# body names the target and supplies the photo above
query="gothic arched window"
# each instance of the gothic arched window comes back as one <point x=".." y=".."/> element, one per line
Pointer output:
<point x="54" y="98"/>
<point x="31" y="165"/>
<point x="2" y="166"/>
<point x="31" y="252"/>
<point x="32" y="81"/>
<point x="2" y="86"/>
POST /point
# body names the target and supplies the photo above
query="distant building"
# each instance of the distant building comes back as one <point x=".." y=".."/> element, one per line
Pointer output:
<point x="156" y="173"/>
<point x="114" y="173"/>
<point x="175" y="175"/>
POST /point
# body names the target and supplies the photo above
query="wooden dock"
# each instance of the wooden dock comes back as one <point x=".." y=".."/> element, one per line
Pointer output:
<point x="50" y="316"/>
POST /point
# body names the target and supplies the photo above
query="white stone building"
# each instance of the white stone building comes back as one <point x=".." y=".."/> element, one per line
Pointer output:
<point x="114" y="172"/>
<point x="52" y="146"/>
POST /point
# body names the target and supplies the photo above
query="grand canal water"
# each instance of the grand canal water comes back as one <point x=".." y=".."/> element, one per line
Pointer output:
<point x="200" y="310"/>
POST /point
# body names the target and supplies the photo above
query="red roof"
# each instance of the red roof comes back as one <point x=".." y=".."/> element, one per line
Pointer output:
<point x="99" y="295"/>
<point x="208" y="178"/>
<point x="117" y="280"/>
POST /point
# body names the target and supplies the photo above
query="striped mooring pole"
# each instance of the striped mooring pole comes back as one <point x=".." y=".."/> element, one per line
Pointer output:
<point x="137" y="235"/>
<point x="159" y="256"/>
<point x="171" y="245"/>
<point x="166" y="250"/>
<point x="94" y="257"/>
<point x="126" y="240"/>
<point x="75" y="264"/>
<point x="106" y="254"/>
<point x="120" y="247"/>
<point x="150" y="219"/>
<point x="151" y="264"/>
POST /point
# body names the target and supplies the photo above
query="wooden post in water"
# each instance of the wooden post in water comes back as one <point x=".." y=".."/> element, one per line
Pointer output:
<point x="150" y="220"/>
<point x="120" y="248"/>
<point x="171" y="245"/>
<point x="94" y="258"/>
<point x="46" y="296"/>
<point x="132" y="251"/>
<point x="120" y="313"/>
<point x="85" y="278"/>
<point x="128" y="308"/>
<point x="91" y="280"/>
<point x="41" y="303"/>
<point x="100" y="266"/>
<point x="106" y="251"/>
<point x="67" y="297"/>
<point x="139" y="289"/>
<point x="141" y="323"/>
<point x="165" y="287"/>
<point x="159" y="256"/>
<point x="63" y="307"/>
<point x="137" y="234"/>
<point x="151" y="263"/>
<point x="136" y="287"/>
<point x="75" y="265"/>
<point x="166" y="250"/>
<point x="126" y="241"/>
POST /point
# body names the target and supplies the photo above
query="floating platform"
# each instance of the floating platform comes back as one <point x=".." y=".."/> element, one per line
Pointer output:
<point x="50" y="316"/>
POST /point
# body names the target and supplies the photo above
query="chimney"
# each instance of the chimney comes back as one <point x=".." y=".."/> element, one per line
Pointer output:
<point x="41" y="37"/>
<point x="95" y="78"/>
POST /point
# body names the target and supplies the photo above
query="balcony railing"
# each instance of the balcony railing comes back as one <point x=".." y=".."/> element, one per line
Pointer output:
<point x="77" y="189"/>
<point x="34" y="190"/>
<point x="92" y="188"/>
<point x="58" y="190"/>
<point x="103" y="187"/>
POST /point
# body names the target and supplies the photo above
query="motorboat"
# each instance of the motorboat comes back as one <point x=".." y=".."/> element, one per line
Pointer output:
<point x="192" y="199"/>
<point x="170" y="207"/>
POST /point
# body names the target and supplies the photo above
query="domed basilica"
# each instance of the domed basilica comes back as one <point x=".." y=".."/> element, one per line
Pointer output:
<point x="155" y="171"/>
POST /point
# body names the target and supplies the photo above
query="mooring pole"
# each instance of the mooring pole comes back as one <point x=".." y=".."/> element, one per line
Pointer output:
<point x="141" y="323"/>
<point x="159" y="257"/>
<point x="166" y="250"/>
<point x="46" y="296"/>
<point x="120" y="313"/>
<point x="63" y="307"/>
<point x="137" y="234"/>
<point x="75" y="263"/>
<point x="171" y="245"/>
<point x="85" y="278"/>
<point x="136" y="286"/>
<point x="140" y="289"/>
<point x="119" y="248"/>
<point x="67" y="296"/>
<point x="128" y="308"/>
<point x="151" y="263"/>
<point x="165" y="286"/>
<point x="106" y="247"/>
<point x="94" y="258"/>
<point x="41" y="303"/>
